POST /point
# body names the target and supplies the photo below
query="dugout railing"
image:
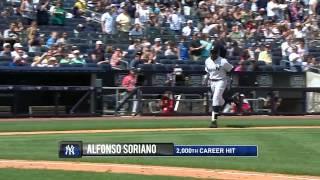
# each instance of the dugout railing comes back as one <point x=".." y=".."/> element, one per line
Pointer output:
<point x="197" y="100"/>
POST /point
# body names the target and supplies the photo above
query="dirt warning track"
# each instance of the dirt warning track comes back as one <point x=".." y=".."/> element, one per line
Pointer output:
<point x="149" y="170"/>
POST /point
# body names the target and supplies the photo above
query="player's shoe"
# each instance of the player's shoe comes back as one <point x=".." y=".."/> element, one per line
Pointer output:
<point x="213" y="124"/>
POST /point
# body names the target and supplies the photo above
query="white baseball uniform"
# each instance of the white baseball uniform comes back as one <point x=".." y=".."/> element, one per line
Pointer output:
<point x="217" y="71"/>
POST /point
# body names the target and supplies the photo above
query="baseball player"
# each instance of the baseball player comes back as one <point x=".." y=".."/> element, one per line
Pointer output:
<point x="217" y="68"/>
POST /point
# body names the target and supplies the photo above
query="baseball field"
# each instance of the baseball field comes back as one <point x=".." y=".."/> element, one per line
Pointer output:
<point x="289" y="148"/>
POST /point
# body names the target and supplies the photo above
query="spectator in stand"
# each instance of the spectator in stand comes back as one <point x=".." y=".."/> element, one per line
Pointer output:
<point x="157" y="47"/>
<point x="10" y="34"/>
<point x="313" y="4"/>
<point x="295" y="11"/>
<point x="175" y="21"/>
<point x="123" y="22"/>
<point x="78" y="59"/>
<point x="19" y="27"/>
<point x="142" y="12"/>
<point x="34" y="45"/>
<point x="136" y="61"/>
<point x="63" y="39"/>
<point x="116" y="58"/>
<point x="97" y="55"/>
<point x="302" y="48"/>
<point x="207" y="46"/>
<point x="58" y="15"/>
<point x="107" y="21"/>
<point x="67" y="59"/>
<point x="32" y="30"/>
<point x="135" y="46"/>
<point x="42" y="12"/>
<point x="295" y="59"/>
<point x="183" y="49"/>
<point x="196" y="47"/>
<point x="27" y="11"/>
<point x="6" y="52"/>
<point x="310" y="63"/>
<point x="286" y="48"/>
<point x="137" y="30"/>
<point x="79" y="8"/>
<point x="171" y="49"/>
<point x="18" y="50"/>
<point x="189" y="30"/>
<point x="52" y="40"/>
<point x="265" y="55"/>
<point x="19" y="60"/>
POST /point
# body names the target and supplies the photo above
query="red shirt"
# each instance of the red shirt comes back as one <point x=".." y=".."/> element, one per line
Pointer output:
<point x="167" y="104"/>
<point x="129" y="81"/>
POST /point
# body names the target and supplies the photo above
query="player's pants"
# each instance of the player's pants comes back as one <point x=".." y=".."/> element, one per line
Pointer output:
<point x="217" y="89"/>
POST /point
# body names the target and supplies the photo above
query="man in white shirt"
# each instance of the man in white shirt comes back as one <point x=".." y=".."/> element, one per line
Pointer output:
<point x="286" y="48"/>
<point x="295" y="58"/>
<point x="143" y="13"/>
<point x="175" y="21"/>
<point x="107" y="21"/>
<point x="188" y="30"/>
<point x="272" y="9"/>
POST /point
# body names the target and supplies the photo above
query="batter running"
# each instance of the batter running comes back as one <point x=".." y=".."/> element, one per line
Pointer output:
<point x="217" y="68"/>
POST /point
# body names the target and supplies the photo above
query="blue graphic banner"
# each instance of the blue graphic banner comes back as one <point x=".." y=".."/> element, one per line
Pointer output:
<point x="215" y="150"/>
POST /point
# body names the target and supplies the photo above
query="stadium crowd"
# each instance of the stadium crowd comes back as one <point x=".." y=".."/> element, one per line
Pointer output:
<point x="256" y="34"/>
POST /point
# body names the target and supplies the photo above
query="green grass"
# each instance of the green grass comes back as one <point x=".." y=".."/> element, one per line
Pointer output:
<point x="21" y="174"/>
<point x="137" y="124"/>
<point x="291" y="151"/>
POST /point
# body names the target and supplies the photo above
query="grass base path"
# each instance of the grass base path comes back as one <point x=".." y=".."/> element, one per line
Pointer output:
<point x="149" y="170"/>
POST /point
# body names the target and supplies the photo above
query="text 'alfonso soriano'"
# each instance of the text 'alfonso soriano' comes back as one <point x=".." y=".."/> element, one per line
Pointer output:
<point x="77" y="149"/>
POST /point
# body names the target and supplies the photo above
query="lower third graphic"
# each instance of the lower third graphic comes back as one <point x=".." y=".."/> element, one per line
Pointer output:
<point x="70" y="149"/>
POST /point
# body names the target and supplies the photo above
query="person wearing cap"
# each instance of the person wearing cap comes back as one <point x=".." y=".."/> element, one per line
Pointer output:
<point x="78" y="59"/>
<point x="18" y="51"/>
<point x="97" y="55"/>
<point x="157" y="47"/>
<point x="188" y="30"/>
<point x="137" y="30"/>
<point x="79" y="8"/>
<point x="129" y="82"/>
<point x="107" y="21"/>
<point x="6" y="52"/>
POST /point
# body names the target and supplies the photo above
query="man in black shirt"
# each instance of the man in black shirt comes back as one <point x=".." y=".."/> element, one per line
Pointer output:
<point x="196" y="47"/>
<point x="97" y="55"/>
